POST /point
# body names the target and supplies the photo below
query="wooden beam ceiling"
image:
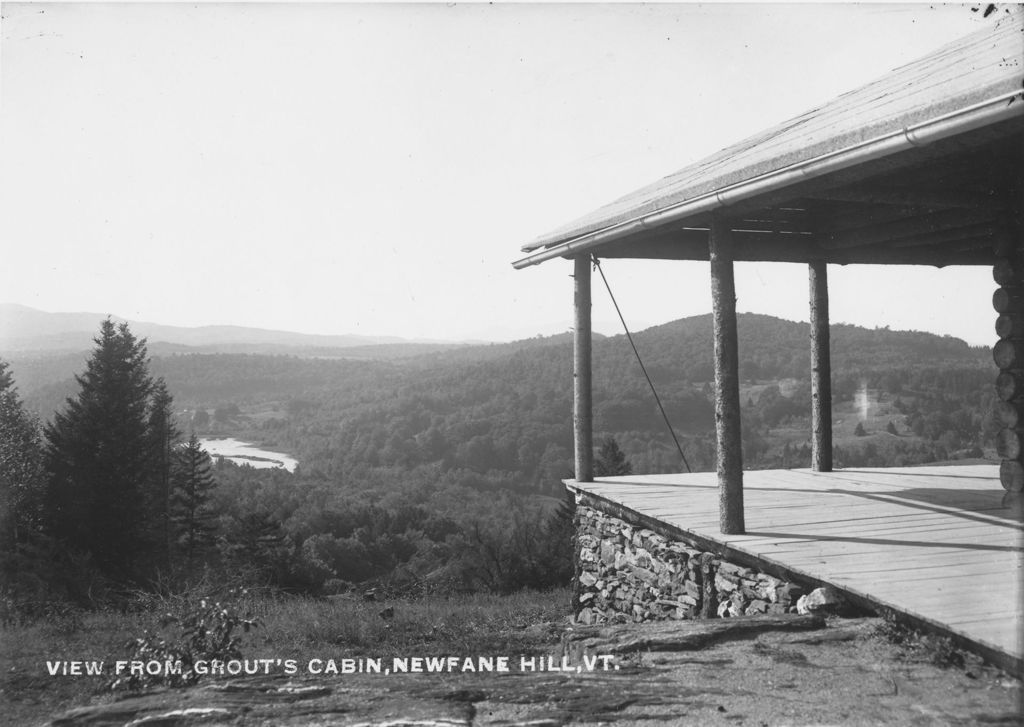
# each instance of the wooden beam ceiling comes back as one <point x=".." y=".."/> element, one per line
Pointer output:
<point x="912" y="197"/>
<point x="973" y="247"/>
<point x="920" y="226"/>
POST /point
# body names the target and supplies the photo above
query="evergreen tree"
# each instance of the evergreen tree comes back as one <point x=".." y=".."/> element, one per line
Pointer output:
<point x="190" y="502"/>
<point x="21" y="466"/>
<point x="163" y="438"/>
<point x="560" y="529"/>
<point x="257" y="543"/>
<point x="560" y="537"/>
<point x="99" y="456"/>
<point x="611" y="461"/>
<point x="200" y="419"/>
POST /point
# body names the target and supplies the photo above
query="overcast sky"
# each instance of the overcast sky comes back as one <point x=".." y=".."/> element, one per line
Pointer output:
<point x="375" y="169"/>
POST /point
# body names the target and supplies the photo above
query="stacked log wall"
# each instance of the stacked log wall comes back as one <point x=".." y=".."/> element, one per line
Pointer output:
<point x="1008" y="354"/>
<point x="626" y="573"/>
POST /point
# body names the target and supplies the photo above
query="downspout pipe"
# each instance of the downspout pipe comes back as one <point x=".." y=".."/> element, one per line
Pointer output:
<point x="985" y="113"/>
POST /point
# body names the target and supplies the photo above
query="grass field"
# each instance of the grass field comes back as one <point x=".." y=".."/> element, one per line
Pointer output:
<point x="289" y="628"/>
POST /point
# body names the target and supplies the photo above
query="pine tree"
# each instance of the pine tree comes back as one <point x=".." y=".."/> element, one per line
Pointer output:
<point x="257" y="543"/>
<point x="99" y="456"/>
<point x="21" y="466"/>
<point x="611" y="461"/>
<point x="560" y="529"/>
<point x="190" y="502"/>
<point x="559" y="536"/>
<point x="163" y="439"/>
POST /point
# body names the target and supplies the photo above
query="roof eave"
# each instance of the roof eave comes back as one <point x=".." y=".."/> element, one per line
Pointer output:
<point x="993" y="110"/>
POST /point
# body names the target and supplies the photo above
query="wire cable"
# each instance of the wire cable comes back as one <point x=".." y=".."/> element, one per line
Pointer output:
<point x="597" y="264"/>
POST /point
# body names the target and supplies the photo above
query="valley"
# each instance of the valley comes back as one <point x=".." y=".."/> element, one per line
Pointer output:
<point x="432" y="477"/>
<point x="415" y="466"/>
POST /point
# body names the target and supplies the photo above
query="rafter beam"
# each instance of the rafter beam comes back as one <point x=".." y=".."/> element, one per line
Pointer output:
<point x="914" y="197"/>
<point x="857" y="217"/>
<point x="769" y="247"/>
<point x="953" y="234"/>
<point x="907" y="227"/>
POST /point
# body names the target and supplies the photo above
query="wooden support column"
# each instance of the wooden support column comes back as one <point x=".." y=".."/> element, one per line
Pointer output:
<point x="821" y="370"/>
<point x="729" y="459"/>
<point x="582" y="395"/>
<point x="1008" y="353"/>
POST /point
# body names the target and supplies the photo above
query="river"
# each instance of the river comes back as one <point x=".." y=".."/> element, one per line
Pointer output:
<point x="241" y="452"/>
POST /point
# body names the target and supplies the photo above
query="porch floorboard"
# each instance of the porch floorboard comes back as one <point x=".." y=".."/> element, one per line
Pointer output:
<point x="943" y="545"/>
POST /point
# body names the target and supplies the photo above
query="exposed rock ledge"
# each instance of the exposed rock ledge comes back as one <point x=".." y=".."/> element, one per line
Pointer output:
<point x="785" y="669"/>
<point x="678" y="635"/>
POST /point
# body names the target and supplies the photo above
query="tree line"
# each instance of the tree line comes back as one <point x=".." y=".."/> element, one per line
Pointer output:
<point x="109" y="497"/>
<point x="108" y="487"/>
<point x="503" y="421"/>
<point x="437" y="472"/>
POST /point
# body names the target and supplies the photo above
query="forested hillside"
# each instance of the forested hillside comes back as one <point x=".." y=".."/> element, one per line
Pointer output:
<point x="502" y="411"/>
<point x="500" y="415"/>
<point x="444" y="470"/>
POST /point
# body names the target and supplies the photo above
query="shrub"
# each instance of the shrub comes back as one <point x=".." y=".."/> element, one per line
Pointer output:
<point x="205" y="632"/>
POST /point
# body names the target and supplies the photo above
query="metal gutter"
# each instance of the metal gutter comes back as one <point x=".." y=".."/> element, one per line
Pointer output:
<point x="984" y="113"/>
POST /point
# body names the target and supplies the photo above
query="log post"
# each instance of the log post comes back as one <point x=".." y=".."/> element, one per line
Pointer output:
<point x="1010" y="385"/>
<point x="1008" y="353"/>
<point x="729" y="458"/>
<point x="582" y="395"/>
<point x="821" y="370"/>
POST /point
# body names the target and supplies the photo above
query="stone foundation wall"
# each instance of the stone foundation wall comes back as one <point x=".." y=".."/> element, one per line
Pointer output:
<point x="625" y="573"/>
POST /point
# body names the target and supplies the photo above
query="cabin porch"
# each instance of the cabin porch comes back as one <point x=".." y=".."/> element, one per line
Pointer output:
<point x="920" y="167"/>
<point x="941" y="546"/>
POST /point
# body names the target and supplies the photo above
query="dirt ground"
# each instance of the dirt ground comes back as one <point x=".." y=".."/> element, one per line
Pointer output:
<point x="839" y="672"/>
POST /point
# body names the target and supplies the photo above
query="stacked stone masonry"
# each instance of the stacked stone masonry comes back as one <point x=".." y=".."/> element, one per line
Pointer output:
<point x="1008" y="301"/>
<point x="626" y="573"/>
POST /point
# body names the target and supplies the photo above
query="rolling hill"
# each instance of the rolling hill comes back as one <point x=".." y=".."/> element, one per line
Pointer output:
<point x="405" y="460"/>
<point x="24" y="329"/>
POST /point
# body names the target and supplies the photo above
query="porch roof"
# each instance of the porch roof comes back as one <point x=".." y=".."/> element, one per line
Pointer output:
<point x="916" y="167"/>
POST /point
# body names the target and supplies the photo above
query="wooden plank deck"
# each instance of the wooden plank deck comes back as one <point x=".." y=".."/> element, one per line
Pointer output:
<point x="942" y="545"/>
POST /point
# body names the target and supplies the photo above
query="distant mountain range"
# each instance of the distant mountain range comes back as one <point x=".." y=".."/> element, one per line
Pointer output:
<point x="25" y="329"/>
<point x="289" y="366"/>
